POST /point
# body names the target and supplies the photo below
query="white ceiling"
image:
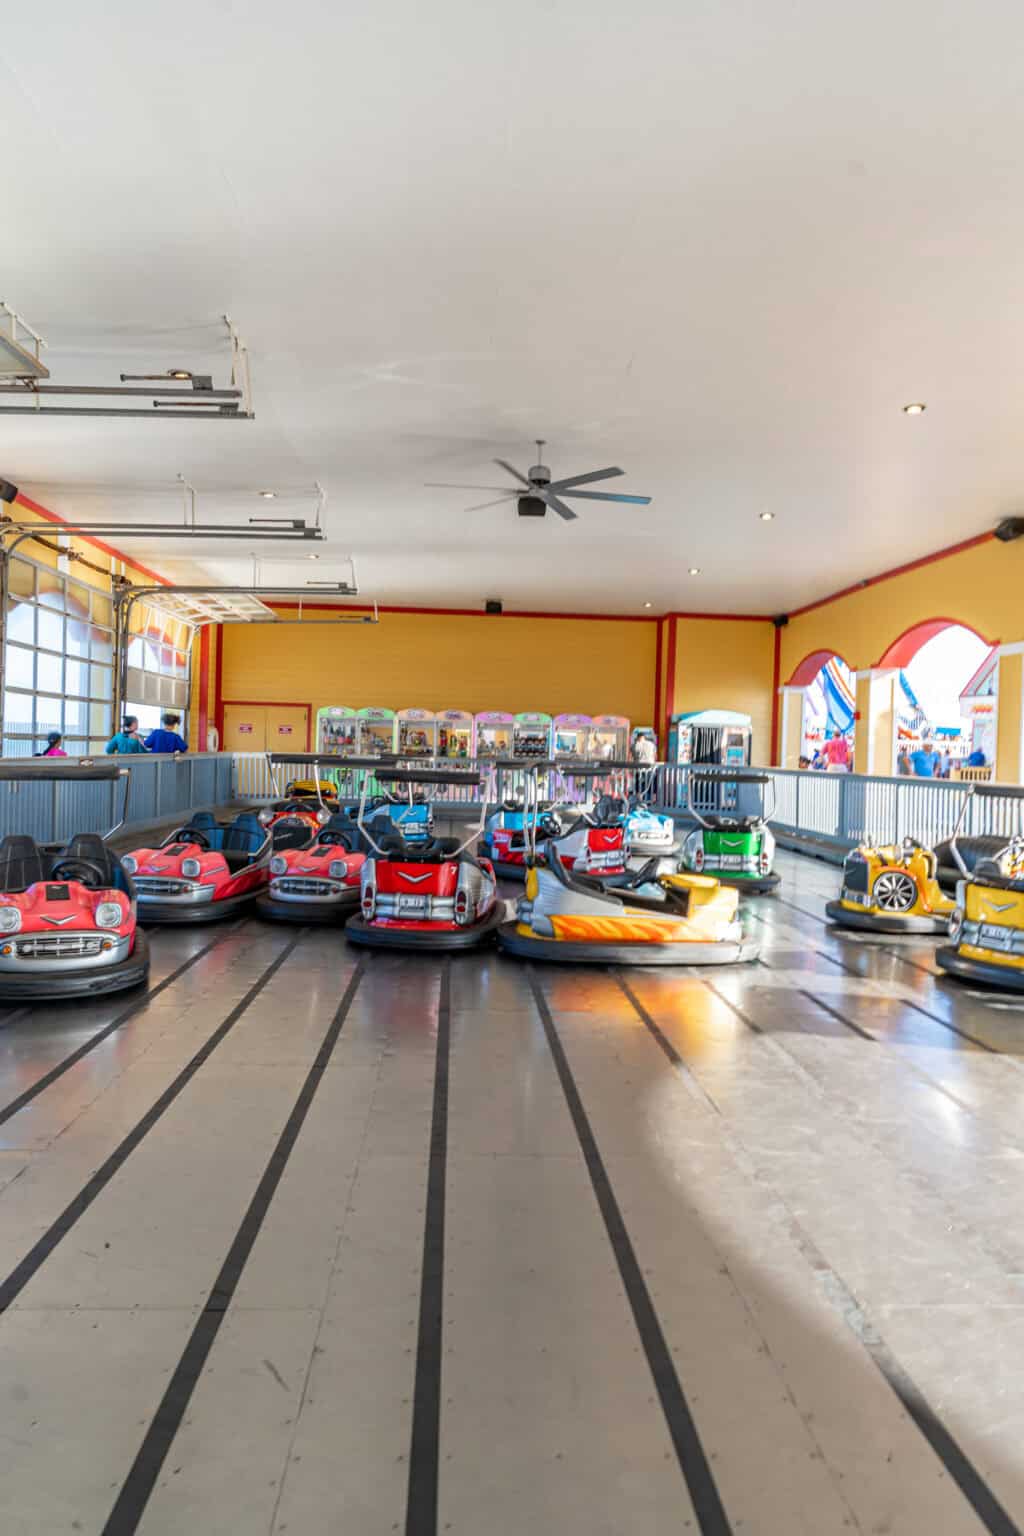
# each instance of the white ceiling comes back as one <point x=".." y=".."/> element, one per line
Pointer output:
<point x="719" y="244"/>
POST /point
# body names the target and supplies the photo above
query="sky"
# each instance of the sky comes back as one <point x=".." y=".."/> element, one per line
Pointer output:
<point x="940" y="670"/>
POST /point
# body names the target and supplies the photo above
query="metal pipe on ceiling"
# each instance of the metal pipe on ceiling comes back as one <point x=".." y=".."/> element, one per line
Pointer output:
<point x="25" y="390"/>
<point x="223" y="414"/>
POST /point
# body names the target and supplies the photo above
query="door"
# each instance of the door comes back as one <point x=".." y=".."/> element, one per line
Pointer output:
<point x="266" y="727"/>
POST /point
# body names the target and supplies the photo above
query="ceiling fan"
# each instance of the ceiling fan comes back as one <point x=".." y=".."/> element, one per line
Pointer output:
<point x="537" y="491"/>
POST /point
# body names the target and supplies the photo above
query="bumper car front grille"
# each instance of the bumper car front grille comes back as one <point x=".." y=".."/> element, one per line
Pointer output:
<point x="304" y="886"/>
<point x="157" y="885"/>
<point x="58" y="946"/>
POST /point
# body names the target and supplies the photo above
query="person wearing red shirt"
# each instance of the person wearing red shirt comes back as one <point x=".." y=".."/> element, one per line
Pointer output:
<point x="837" y="753"/>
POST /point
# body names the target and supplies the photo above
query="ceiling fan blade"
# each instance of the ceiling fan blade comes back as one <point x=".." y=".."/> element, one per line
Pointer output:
<point x="595" y="474"/>
<point x="506" y="466"/>
<point x="560" y="507"/>
<point x="451" y="485"/>
<point x="508" y="496"/>
<point x="637" y="501"/>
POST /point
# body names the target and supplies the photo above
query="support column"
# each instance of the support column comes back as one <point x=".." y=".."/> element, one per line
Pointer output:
<point x="874" y="742"/>
<point x="1010" y="715"/>
<point x="791" y="736"/>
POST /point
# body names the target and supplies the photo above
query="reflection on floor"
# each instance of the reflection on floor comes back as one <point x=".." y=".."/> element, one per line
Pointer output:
<point x="310" y="1242"/>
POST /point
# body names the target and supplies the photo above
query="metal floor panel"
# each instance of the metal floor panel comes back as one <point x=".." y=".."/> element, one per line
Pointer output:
<point x="308" y="1242"/>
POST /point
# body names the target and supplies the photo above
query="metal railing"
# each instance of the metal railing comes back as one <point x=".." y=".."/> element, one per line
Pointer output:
<point x="253" y="780"/>
<point x="849" y="808"/>
<point x="162" y="786"/>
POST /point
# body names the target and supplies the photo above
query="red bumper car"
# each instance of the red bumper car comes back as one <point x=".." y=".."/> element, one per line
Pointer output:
<point x="203" y="871"/>
<point x="434" y="895"/>
<point x="318" y="883"/>
<point x="67" y="915"/>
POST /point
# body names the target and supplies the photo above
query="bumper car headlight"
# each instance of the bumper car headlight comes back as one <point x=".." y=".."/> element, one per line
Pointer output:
<point x="265" y="817"/>
<point x="10" y="919"/>
<point x="337" y="869"/>
<point x="129" y="864"/>
<point x="278" y="865"/>
<point x="109" y="914"/>
<point x="956" y="924"/>
<point x="323" y="817"/>
<point x="190" y="869"/>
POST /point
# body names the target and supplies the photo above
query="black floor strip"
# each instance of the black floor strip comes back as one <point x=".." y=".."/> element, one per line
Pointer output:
<point x="961" y="1469"/>
<point x="137" y="1487"/>
<point x="712" y="1519"/>
<point x="425" y="1449"/>
<point x="20" y="1276"/>
<point x="905" y="1002"/>
<point x="138" y="1006"/>
<point x="834" y="1013"/>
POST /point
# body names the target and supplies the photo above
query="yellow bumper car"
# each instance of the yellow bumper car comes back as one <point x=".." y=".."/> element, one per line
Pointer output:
<point x="986" y="929"/>
<point x="892" y="889"/>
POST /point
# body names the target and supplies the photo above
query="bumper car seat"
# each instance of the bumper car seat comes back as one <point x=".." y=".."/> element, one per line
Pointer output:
<point x="21" y="863"/>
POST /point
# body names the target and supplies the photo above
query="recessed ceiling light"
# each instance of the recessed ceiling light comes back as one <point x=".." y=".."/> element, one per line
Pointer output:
<point x="648" y="605"/>
<point x="766" y="517"/>
<point x="694" y="570"/>
<point x="268" y="495"/>
<point x="915" y="408"/>
<point x="312" y="557"/>
<point x="179" y="373"/>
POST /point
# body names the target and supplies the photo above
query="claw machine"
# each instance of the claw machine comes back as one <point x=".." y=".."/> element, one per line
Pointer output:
<point x="609" y="738"/>
<point x="455" y="733"/>
<point x="531" y="735"/>
<point x="572" y="735"/>
<point x="377" y="731"/>
<point x="337" y="730"/>
<point x="494" y="728"/>
<point x="417" y="733"/>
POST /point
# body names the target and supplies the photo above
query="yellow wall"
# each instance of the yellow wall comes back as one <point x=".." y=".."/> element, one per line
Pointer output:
<point x="449" y="661"/>
<point x="727" y="664"/>
<point x="980" y="587"/>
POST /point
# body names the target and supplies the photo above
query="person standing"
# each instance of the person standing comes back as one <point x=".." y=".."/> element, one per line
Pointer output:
<point x="127" y="738"/>
<point x="837" y="753"/>
<point x="924" y="761"/>
<point x="166" y="739"/>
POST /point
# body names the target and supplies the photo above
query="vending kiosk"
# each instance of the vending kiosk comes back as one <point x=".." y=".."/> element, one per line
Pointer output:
<point x="531" y="735"/>
<point x="494" y="730"/>
<point x="709" y="736"/>
<point x="417" y="733"/>
<point x="337" y="729"/>
<point x="572" y="735"/>
<point x="609" y="738"/>
<point x="455" y="734"/>
<point x="378" y="730"/>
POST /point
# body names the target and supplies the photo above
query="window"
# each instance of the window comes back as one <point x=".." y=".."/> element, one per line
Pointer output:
<point x="159" y="652"/>
<point x="58" y="662"/>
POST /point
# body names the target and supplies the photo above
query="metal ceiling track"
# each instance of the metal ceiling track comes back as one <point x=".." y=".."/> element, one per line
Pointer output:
<point x="175" y="394"/>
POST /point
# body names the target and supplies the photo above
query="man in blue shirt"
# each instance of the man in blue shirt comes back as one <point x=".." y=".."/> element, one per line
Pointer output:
<point x="924" y="761"/>
<point x="166" y="739"/>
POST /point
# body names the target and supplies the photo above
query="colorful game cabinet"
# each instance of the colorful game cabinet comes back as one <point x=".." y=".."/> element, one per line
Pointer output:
<point x="494" y="729"/>
<point x="531" y="735"/>
<point x="417" y="732"/>
<point x="337" y="731"/>
<point x="572" y="736"/>
<point x="456" y="734"/>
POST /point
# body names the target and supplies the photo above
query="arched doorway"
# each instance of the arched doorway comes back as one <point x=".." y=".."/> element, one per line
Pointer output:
<point x="947" y="674"/>
<point x="819" y="707"/>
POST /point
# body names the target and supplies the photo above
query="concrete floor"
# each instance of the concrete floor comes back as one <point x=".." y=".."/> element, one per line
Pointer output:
<point x="307" y="1243"/>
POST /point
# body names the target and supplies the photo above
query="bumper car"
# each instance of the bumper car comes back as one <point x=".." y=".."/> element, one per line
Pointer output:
<point x="649" y="835"/>
<point x="203" y="871"/>
<point x="307" y="804"/>
<point x="986" y="929"/>
<point x="67" y="915"/>
<point x="656" y="919"/>
<point x="428" y="895"/>
<point x="892" y="889"/>
<point x="733" y="841"/>
<point x="318" y="883"/>
<point x="505" y="836"/>
<point x="595" y="846"/>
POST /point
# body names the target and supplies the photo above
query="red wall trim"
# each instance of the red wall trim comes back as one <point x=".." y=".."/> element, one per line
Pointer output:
<point x="670" y="675"/>
<point x="530" y="613"/>
<point x="656" y="715"/>
<point x="807" y="670"/>
<point x="218" y="687"/>
<point x="776" y="670"/>
<point x="906" y="646"/>
<point x="897" y="570"/>
<point x="108" y="549"/>
<point x="733" y="618"/>
<point x="204" y="686"/>
<point x="278" y="704"/>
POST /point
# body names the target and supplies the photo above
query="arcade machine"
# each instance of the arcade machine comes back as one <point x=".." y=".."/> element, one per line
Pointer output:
<point x="709" y="736"/>
<point x="455" y="733"/>
<point x="337" y="729"/>
<point x="494" y="733"/>
<point x="531" y="735"/>
<point x="417" y="733"/>
<point x="609" y="738"/>
<point x="376" y="736"/>
<point x="572" y="736"/>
